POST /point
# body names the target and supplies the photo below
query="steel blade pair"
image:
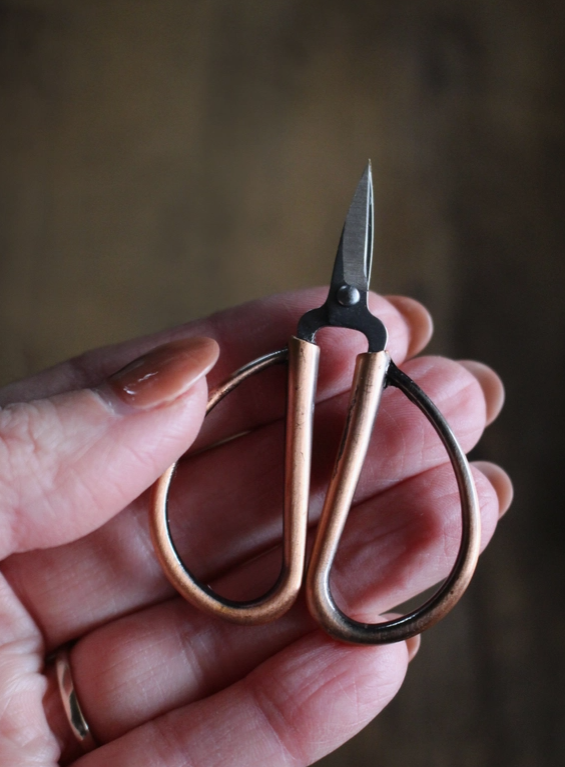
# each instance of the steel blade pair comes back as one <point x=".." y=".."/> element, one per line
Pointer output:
<point x="346" y="306"/>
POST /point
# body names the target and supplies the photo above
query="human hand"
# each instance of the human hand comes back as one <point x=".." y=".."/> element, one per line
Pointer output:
<point x="159" y="682"/>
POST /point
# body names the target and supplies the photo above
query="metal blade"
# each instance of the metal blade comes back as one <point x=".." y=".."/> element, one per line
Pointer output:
<point x="347" y="303"/>
<point x="355" y="252"/>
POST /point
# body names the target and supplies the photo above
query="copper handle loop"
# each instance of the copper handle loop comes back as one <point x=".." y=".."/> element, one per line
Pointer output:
<point x="302" y="375"/>
<point x="371" y="371"/>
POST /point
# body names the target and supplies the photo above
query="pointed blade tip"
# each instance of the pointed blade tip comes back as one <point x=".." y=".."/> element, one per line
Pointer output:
<point x="355" y="252"/>
<point x="368" y="173"/>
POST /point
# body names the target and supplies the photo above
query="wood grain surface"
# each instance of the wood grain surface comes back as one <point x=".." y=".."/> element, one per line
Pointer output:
<point x="163" y="159"/>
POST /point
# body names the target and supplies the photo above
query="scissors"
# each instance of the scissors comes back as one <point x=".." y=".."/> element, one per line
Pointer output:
<point x="345" y="307"/>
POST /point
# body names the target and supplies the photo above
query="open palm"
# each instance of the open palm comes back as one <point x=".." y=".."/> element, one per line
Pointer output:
<point x="159" y="682"/>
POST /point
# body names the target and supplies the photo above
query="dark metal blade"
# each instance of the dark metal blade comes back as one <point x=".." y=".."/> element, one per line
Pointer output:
<point x="355" y="253"/>
<point x="347" y="303"/>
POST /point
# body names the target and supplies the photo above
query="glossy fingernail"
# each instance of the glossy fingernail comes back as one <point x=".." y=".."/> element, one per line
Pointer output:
<point x="165" y="373"/>
<point x="413" y="645"/>
<point x="418" y="320"/>
<point x="501" y="482"/>
<point x="490" y="383"/>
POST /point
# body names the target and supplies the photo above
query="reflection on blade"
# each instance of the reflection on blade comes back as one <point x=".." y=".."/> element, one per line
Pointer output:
<point x="354" y="256"/>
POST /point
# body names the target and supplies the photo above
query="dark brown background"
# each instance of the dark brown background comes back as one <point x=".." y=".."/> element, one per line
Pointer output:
<point x="161" y="159"/>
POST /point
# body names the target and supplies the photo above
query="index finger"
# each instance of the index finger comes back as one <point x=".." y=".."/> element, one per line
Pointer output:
<point x="243" y="333"/>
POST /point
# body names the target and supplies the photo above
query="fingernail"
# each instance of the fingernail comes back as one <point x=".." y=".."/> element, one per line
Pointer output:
<point x="164" y="373"/>
<point x="490" y="383"/>
<point x="501" y="483"/>
<point x="413" y="645"/>
<point x="418" y="320"/>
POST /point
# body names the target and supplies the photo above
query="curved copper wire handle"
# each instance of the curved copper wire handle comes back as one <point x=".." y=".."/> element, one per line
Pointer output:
<point x="374" y="371"/>
<point x="371" y="373"/>
<point x="302" y="375"/>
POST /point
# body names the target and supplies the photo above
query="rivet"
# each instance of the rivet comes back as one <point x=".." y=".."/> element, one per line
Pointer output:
<point x="347" y="295"/>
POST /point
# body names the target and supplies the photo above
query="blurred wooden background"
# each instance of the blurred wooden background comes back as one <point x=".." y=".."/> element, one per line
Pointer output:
<point x="160" y="159"/>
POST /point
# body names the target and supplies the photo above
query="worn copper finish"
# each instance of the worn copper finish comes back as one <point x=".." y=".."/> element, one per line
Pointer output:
<point x="302" y="374"/>
<point x="364" y="401"/>
<point x="368" y="383"/>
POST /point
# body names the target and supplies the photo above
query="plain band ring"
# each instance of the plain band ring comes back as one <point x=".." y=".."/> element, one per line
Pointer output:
<point x="75" y="717"/>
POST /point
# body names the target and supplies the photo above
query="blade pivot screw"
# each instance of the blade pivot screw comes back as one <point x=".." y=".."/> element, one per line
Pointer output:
<point x="347" y="295"/>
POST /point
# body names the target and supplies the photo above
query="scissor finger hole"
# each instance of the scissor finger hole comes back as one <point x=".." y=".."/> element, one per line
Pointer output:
<point x="278" y="598"/>
<point x="321" y="602"/>
<point x="224" y="505"/>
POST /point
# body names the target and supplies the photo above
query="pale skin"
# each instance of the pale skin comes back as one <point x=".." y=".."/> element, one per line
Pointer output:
<point x="159" y="682"/>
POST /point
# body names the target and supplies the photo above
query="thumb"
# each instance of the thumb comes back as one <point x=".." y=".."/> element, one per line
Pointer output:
<point x="71" y="462"/>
